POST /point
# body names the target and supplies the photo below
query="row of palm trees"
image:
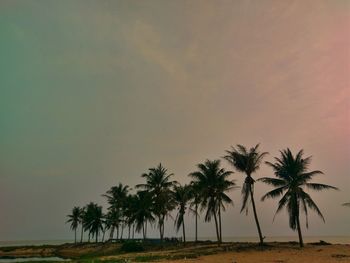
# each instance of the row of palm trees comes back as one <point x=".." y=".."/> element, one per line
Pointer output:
<point x="207" y="192"/>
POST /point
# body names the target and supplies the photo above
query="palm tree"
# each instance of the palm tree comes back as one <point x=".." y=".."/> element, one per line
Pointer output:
<point x="159" y="185"/>
<point x="346" y="204"/>
<point x="116" y="198"/>
<point x="142" y="211"/>
<point x="292" y="179"/>
<point x="74" y="219"/>
<point x="182" y="195"/>
<point x="94" y="219"/>
<point x="113" y="220"/>
<point x="247" y="162"/>
<point x="212" y="184"/>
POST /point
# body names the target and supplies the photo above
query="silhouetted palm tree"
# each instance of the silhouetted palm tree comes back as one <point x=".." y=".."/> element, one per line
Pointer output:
<point x="94" y="220"/>
<point x="292" y="179"/>
<point x="212" y="184"/>
<point x="116" y="198"/>
<point x="74" y="219"/>
<point x="142" y="211"/>
<point x="159" y="185"/>
<point x="113" y="220"/>
<point x="247" y="162"/>
<point x="182" y="196"/>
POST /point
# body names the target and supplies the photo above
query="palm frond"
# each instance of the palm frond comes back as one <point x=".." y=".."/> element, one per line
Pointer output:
<point x="320" y="187"/>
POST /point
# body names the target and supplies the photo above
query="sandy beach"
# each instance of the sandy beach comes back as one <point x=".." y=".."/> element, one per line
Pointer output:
<point x="277" y="252"/>
<point x="310" y="254"/>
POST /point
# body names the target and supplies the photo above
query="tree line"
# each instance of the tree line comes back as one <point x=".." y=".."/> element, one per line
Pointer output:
<point x="207" y="193"/>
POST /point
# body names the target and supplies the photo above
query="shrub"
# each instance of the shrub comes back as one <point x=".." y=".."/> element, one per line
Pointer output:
<point x="132" y="246"/>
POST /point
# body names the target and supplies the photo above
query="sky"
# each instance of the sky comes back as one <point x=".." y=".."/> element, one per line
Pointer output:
<point x="94" y="93"/>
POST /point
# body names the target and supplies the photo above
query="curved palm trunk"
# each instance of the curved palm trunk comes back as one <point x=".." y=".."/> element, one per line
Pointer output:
<point x="216" y="228"/>
<point x="255" y="215"/>
<point x="301" y="243"/>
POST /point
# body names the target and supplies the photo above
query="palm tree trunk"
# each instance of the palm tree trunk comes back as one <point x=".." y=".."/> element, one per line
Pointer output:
<point x="82" y="232"/>
<point x="183" y="231"/>
<point x="143" y="231"/>
<point x="103" y="235"/>
<point x="96" y="236"/>
<point x="301" y="243"/>
<point x="75" y="235"/>
<point x="216" y="228"/>
<point x="129" y="231"/>
<point x="89" y="237"/>
<point x="220" y="232"/>
<point x="160" y="229"/>
<point x="196" y="238"/>
<point x="146" y="229"/>
<point x="111" y="234"/>
<point x="133" y="231"/>
<point x="256" y="216"/>
<point x="121" y="234"/>
<point x="118" y="232"/>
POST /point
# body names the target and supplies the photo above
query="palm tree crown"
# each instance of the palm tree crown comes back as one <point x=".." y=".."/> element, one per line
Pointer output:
<point x="292" y="179"/>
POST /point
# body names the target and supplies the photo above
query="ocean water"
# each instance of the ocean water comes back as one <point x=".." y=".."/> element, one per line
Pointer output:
<point x="307" y="239"/>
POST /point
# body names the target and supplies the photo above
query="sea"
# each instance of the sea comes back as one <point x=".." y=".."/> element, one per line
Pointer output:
<point x="307" y="239"/>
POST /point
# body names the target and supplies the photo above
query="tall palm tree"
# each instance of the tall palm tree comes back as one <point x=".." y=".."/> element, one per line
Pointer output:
<point x="248" y="162"/>
<point x="116" y="198"/>
<point x="292" y="178"/>
<point x="159" y="185"/>
<point x="212" y="182"/>
<point x="74" y="219"/>
<point x="94" y="220"/>
<point x="142" y="212"/>
<point x="113" y="221"/>
<point x="182" y="196"/>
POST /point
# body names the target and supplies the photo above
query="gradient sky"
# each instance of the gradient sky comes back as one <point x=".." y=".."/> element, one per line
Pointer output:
<point x="93" y="93"/>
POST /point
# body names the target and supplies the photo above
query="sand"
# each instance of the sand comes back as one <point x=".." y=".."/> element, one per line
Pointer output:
<point x="309" y="254"/>
<point x="206" y="253"/>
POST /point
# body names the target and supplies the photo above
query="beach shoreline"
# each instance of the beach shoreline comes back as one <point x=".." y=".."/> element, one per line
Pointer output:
<point x="192" y="252"/>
